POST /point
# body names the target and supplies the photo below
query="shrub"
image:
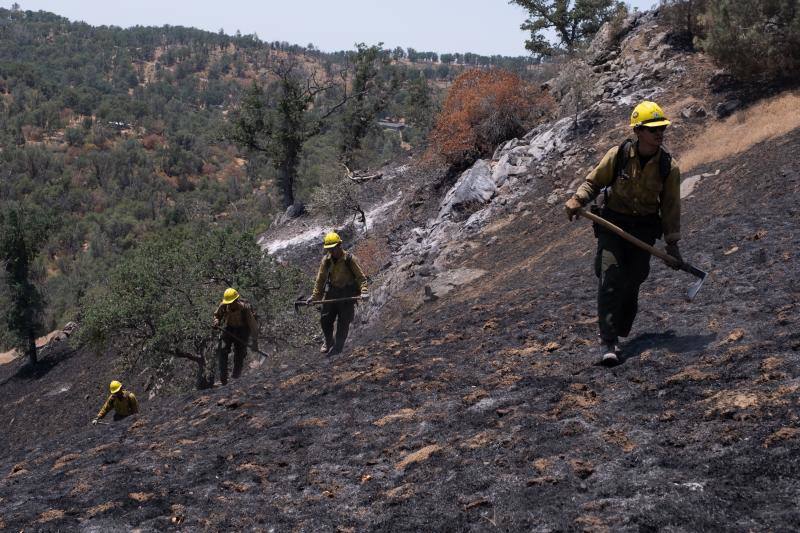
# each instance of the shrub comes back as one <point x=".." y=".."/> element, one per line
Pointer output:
<point x="152" y="141"/>
<point x="337" y="200"/>
<point x="754" y="39"/>
<point x="157" y="306"/>
<point x="683" y="18"/>
<point x="74" y="136"/>
<point x="482" y="109"/>
<point x="575" y="85"/>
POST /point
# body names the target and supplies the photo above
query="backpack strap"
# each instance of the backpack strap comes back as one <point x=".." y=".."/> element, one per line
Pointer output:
<point x="328" y="268"/>
<point x="664" y="164"/>
<point x="620" y="164"/>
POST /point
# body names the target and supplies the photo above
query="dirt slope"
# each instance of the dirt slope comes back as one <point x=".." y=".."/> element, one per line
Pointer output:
<point x="484" y="409"/>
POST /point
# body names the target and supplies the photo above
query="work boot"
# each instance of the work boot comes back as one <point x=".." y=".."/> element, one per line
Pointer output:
<point x="608" y="352"/>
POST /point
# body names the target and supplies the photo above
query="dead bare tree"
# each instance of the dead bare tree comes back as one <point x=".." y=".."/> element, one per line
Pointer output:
<point x="340" y="198"/>
<point x="576" y="84"/>
<point x="361" y="176"/>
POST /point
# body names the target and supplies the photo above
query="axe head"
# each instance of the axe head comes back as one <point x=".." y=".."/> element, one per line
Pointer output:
<point x="301" y="301"/>
<point x="701" y="276"/>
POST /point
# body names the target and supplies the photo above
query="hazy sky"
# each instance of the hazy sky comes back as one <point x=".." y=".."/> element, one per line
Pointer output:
<point x="482" y="26"/>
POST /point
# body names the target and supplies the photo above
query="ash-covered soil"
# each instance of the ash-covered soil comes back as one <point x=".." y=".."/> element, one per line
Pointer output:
<point x="484" y="409"/>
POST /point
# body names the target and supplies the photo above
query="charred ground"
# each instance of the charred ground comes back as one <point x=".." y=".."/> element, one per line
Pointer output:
<point x="484" y="409"/>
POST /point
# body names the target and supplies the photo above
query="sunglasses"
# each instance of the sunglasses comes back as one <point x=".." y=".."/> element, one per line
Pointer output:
<point x="656" y="129"/>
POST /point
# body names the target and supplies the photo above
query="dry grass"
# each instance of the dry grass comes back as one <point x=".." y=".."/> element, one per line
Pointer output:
<point x="49" y="516"/>
<point x="739" y="132"/>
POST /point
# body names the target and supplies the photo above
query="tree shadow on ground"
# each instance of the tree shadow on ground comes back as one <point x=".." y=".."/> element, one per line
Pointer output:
<point x="47" y="363"/>
<point x="668" y="340"/>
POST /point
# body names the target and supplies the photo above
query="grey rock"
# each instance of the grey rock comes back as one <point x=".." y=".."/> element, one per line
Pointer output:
<point x="555" y="197"/>
<point x="474" y="186"/>
<point x="295" y="210"/>
<point x="725" y="109"/>
<point x="721" y="81"/>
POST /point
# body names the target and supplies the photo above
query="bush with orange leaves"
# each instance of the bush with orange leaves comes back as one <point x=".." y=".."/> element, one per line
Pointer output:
<point x="483" y="108"/>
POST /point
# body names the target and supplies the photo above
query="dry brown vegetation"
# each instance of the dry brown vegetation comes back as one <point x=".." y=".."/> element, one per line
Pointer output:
<point x="739" y="132"/>
<point x="483" y="109"/>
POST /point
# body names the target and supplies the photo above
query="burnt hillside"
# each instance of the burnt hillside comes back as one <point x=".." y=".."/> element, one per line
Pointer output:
<point x="477" y="404"/>
<point x="485" y="408"/>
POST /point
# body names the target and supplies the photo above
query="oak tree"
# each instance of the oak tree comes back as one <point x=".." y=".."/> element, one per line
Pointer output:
<point x="573" y="21"/>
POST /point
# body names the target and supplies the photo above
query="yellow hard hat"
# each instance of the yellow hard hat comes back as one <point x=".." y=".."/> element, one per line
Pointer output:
<point x="230" y="296"/>
<point x="115" y="386"/>
<point x="648" y="114"/>
<point x="332" y="240"/>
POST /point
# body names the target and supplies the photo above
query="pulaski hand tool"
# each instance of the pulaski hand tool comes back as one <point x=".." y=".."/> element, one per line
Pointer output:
<point x="701" y="276"/>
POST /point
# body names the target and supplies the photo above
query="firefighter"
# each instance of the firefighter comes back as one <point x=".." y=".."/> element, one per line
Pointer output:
<point x="124" y="403"/>
<point x="642" y="196"/>
<point x="339" y="276"/>
<point x="236" y="319"/>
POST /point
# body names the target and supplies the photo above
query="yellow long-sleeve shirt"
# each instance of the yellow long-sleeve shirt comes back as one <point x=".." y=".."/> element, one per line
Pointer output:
<point x="237" y="314"/>
<point x="642" y="192"/>
<point x="123" y="404"/>
<point x="341" y="275"/>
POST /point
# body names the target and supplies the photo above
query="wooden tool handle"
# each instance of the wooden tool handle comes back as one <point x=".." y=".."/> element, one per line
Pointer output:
<point x="348" y="299"/>
<point x="630" y="238"/>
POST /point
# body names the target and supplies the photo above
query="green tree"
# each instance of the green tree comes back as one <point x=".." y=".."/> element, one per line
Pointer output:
<point x="574" y="22"/>
<point x="158" y="304"/>
<point x="23" y="232"/>
<point x="683" y="16"/>
<point x="279" y="126"/>
<point x="420" y="105"/>
<point x="367" y="99"/>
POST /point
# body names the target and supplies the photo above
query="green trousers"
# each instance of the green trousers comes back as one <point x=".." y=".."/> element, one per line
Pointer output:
<point x="339" y="314"/>
<point x="236" y="338"/>
<point x="621" y="268"/>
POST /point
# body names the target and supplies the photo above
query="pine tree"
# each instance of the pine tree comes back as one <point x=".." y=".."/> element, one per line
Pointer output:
<point x="420" y="103"/>
<point x="19" y="244"/>
<point x="367" y="99"/>
<point x="279" y="124"/>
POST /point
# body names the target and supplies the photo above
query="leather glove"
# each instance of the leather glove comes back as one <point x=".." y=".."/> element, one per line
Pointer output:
<point x="309" y="300"/>
<point x="672" y="249"/>
<point x="94" y="422"/>
<point x="572" y="207"/>
<point x="215" y="323"/>
<point x="364" y="296"/>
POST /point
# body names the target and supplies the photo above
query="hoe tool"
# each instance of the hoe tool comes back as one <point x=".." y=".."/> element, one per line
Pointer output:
<point x="262" y="354"/>
<point x="301" y="301"/>
<point x="701" y="276"/>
